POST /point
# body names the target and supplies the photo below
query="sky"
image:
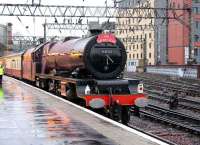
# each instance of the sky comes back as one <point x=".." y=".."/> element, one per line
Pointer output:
<point x="36" y="29"/>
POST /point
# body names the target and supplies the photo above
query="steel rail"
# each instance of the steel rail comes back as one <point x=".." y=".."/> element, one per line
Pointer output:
<point x="180" y="104"/>
<point x="171" y="122"/>
<point x="174" y="113"/>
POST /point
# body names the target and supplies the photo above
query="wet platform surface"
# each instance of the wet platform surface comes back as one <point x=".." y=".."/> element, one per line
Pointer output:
<point x="26" y="120"/>
<point x="29" y="117"/>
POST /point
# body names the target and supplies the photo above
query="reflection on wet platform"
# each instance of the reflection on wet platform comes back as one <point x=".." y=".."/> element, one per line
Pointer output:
<point x="25" y="120"/>
<point x="1" y="94"/>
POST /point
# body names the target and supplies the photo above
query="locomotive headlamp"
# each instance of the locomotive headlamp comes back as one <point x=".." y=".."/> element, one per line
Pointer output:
<point x="140" y="88"/>
<point x="97" y="103"/>
<point x="87" y="90"/>
<point x="141" y="102"/>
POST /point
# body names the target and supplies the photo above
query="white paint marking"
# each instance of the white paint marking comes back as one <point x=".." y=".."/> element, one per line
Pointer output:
<point x="100" y="116"/>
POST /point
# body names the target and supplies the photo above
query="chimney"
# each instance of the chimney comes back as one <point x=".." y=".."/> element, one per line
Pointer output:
<point x="94" y="28"/>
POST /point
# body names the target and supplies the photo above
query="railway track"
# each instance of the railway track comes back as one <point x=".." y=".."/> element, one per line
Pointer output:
<point x="170" y="122"/>
<point x="186" y="100"/>
<point x="172" y="118"/>
<point x="189" y="91"/>
<point x="184" y="90"/>
<point x="175" y="123"/>
<point x="184" y="105"/>
<point x="178" y="81"/>
<point x="174" y="113"/>
<point x="162" y="83"/>
<point x="163" y="92"/>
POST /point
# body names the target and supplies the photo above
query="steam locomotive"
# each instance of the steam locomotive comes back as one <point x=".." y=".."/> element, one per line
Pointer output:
<point x="85" y="69"/>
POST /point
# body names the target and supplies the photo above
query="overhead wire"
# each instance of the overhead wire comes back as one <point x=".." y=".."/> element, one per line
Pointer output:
<point x="26" y="27"/>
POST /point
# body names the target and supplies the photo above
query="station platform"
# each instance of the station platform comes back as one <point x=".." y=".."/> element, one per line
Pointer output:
<point x="30" y="116"/>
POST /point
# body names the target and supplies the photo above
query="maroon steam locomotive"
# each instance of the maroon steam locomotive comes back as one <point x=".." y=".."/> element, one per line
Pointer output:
<point x="88" y="69"/>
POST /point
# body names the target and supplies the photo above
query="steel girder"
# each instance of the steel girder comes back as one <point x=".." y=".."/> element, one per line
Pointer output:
<point x="117" y="27"/>
<point x="86" y="11"/>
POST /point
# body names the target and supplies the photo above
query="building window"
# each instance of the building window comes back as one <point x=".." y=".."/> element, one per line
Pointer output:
<point x="196" y="38"/>
<point x="141" y="55"/>
<point x="149" y="45"/>
<point x="197" y="24"/>
<point x="195" y="52"/>
<point x="178" y="6"/>
<point x="173" y="5"/>
<point x="149" y="35"/>
<point x="196" y="1"/>
<point x="133" y="56"/>
<point x="137" y="55"/>
<point x="150" y="55"/>
<point x="129" y="56"/>
<point x="132" y="63"/>
<point x="196" y="10"/>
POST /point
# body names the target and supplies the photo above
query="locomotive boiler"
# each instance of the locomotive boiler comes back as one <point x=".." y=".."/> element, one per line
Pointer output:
<point x="102" y="57"/>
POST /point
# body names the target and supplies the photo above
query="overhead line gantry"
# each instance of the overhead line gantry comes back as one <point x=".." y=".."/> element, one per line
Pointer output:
<point x="37" y="10"/>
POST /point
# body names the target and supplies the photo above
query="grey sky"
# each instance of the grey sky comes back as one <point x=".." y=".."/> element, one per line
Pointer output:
<point x="19" y="27"/>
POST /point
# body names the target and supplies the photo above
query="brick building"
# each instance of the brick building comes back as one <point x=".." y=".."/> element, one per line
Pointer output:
<point x="179" y="34"/>
<point x="196" y="29"/>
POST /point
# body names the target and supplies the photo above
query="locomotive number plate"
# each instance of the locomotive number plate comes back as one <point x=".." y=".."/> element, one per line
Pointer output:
<point x="106" y="51"/>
